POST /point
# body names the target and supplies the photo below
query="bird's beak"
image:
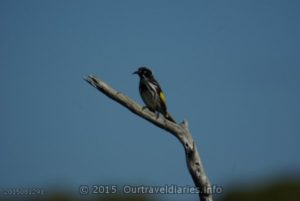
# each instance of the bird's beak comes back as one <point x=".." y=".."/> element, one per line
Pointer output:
<point x="136" y="72"/>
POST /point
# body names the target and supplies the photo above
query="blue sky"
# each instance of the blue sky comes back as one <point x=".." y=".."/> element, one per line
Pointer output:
<point x="230" y="67"/>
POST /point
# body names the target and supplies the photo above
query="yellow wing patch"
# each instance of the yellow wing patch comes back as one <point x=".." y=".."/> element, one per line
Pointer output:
<point x="162" y="97"/>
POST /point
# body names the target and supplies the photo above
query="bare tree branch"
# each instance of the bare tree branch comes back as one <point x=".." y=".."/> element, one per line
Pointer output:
<point x="180" y="131"/>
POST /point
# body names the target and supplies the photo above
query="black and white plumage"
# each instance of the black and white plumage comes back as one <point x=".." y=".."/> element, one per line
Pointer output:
<point x="152" y="93"/>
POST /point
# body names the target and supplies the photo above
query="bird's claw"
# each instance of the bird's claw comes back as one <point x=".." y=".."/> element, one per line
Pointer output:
<point x="144" y="107"/>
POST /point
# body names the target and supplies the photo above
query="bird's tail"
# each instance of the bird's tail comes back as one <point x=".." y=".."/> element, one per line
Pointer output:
<point x="169" y="117"/>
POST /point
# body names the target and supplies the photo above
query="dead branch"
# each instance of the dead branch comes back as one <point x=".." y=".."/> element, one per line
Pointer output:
<point x="180" y="131"/>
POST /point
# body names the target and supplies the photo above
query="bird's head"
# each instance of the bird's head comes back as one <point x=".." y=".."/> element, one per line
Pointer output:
<point x="143" y="72"/>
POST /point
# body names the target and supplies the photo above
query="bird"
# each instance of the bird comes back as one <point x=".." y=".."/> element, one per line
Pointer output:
<point x="152" y="94"/>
